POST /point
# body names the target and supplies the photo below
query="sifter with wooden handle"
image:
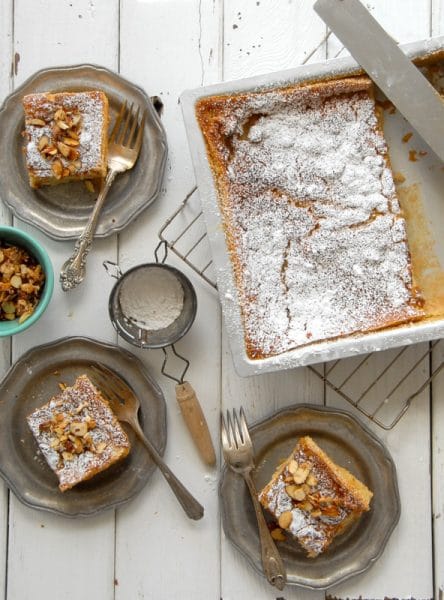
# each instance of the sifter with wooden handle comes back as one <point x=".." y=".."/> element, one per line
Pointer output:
<point x="169" y="319"/>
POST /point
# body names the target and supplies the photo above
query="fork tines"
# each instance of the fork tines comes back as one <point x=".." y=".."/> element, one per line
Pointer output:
<point x="234" y="429"/>
<point x="123" y="134"/>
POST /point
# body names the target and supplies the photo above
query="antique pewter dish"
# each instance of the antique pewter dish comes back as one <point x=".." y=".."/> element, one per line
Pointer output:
<point x="350" y="445"/>
<point x="62" y="211"/>
<point x="424" y="175"/>
<point x="30" y="383"/>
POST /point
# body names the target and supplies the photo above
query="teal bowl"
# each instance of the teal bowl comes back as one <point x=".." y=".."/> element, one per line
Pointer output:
<point x="17" y="237"/>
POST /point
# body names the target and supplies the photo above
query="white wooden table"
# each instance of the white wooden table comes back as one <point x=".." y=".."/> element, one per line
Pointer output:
<point x="148" y="549"/>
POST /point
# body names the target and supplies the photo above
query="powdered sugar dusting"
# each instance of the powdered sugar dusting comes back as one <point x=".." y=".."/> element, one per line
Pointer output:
<point x="317" y="239"/>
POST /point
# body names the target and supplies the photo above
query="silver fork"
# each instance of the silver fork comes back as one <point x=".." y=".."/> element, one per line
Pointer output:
<point x="239" y="455"/>
<point x="124" y="146"/>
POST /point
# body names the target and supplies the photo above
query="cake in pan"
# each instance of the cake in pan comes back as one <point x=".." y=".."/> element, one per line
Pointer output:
<point x="314" y="499"/>
<point x="78" y="434"/>
<point x="66" y="136"/>
<point x="313" y="225"/>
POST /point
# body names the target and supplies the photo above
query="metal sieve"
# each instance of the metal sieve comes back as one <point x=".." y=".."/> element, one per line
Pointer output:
<point x="150" y="338"/>
<point x="164" y="338"/>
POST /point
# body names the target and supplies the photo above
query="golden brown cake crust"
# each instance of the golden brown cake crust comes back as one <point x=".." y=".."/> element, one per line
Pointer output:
<point x="66" y="136"/>
<point x="313" y="226"/>
<point x="78" y="433"/>
<point x="313" y="498"/>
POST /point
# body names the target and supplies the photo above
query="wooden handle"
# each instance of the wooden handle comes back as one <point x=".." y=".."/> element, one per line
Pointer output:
<point x="195" y="420"/>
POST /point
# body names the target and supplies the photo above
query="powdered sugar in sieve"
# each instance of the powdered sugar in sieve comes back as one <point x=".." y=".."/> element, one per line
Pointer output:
<point x="151" y="297"/>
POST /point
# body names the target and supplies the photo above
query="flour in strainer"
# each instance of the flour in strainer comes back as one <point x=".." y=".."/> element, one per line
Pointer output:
<point x="151" y="297"/>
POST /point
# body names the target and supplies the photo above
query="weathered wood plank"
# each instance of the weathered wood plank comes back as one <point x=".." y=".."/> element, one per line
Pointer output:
<point x="409" y="441"/>
<point x="260" y="37"/>
<point x="159" y="551"/>
<point x="438" y="410"/>
<point x="53" y="551"/>
<point x="6" y="52"/>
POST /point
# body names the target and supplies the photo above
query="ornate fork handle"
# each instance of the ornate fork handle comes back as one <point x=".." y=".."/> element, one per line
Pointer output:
<point x="73" y="270"/>
<point x="271" y="560"/>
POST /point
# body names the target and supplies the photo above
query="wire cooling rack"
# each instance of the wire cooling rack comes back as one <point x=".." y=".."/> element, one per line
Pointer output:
<point x="381" y="385"/>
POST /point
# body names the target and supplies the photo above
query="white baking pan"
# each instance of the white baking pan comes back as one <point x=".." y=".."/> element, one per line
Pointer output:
<point x="423" y="190"/>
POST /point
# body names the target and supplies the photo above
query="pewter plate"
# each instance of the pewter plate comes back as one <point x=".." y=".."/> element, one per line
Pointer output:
<point x="62" y="211"/>
<point x="349" y="444"/>
<point x="30" y="383"/>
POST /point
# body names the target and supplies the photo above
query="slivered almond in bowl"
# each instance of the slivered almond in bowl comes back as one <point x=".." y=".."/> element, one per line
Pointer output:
<point x="65" y="136"/>
<point x="314" y="499"/>
<point x="21" y="283"/>
<point x="78" y="434"/>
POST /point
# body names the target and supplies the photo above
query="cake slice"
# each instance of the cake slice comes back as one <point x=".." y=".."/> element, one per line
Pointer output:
<point x="312" y="222"/>
<point x="78" y="434"/>
<point x="66" y="136"/>
<point x="313" y="498"/>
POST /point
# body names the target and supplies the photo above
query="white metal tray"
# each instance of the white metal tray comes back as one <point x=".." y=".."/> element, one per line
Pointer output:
<point x="424" y="176"/>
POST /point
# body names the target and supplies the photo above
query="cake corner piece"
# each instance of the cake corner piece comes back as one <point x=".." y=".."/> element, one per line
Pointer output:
<point x="313" y="498"/>
<point x="66" y="136"/>
<point x="78" y="434"/>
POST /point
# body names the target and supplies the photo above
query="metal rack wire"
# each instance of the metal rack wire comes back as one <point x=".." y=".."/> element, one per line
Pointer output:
<point x="384" y="383"/>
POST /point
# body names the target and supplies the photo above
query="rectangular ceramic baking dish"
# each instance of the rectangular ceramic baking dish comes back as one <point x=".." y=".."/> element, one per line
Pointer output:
<point x="422" y="190"/>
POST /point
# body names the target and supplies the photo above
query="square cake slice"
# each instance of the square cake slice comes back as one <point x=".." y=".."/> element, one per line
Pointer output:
<point x="78" y="433"/>
<point x="312" y="222"/>
<point x="66" y="136"/>
<point x="313" y="498"/>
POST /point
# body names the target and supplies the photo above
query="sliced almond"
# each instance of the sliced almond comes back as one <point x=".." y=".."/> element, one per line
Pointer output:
<point x="70" y="141"/>
<point x="311" y="480"/>
<point x="78" y="446"/>
<point x="67" y="455"/>
<point x="43" y="142"/>
<point x="60" y="115"/>
<point x="307" y="506"/>
<point x="73" y="134"/>
<point x="298" y="494"/>
<point x="71" y="168"/>
<point x="278" y="535"/>
<point x="25" y="316"/>
<point x="100" y="447"/>
<point x="301" y="475"/>
<point x="78" y="428"/>
<point x="50" y="150"/>
<point x="36" y="122"/>
<point x="74" y="155"/>
<point x="63" y="149"/>
<point x="76" y="119"/>
<point x="16" y="281"/>
<point x="57" y="169"/>
<point x="89" y="186"/>
<point x="8" y="307"/>
<point x="316" y="513"/>
<point x="62" y="125"/>
<point x="293" y="467"/>
<point x="77" y="163"/>
<point x="285" y="519"/>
